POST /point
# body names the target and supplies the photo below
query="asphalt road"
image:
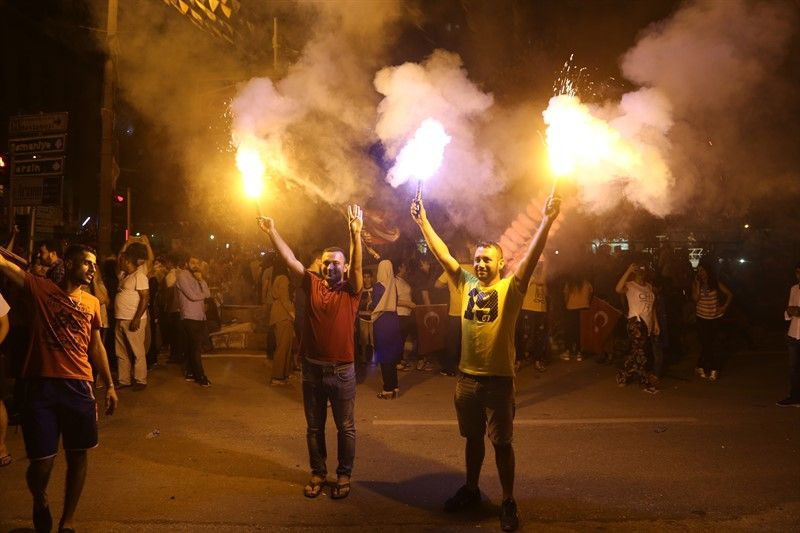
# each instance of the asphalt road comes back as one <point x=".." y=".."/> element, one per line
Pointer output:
<point x="699" y="456"/>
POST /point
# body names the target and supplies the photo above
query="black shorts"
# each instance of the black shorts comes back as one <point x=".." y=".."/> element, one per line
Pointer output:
<point x="51" y="407"/>
<point x="486" y="401"/>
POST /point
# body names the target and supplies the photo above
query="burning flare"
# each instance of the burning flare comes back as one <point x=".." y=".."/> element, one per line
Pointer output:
<point x="576" y="140"/>
<point x="422" y="156"/>
<point x="249" y="163"/>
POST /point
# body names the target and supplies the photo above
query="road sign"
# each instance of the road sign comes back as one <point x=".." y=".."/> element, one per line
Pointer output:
<point x="39" y="190"/>
<point x="43" y="166"/>
<point x="38" y="145"/>
<point x="41" y="124"/>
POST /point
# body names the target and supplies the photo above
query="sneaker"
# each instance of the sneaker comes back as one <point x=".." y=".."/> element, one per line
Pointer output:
<point x="540" y="366"/>
<point x="788" y="402"/>
<point x="204" y="382"/>
<point x="406" y="367"/>
<point x="579" y="357"/>
<point x="427" y="367"/>
<point x="509" y="521"/>
<point x="712" y="376"/>
<point x="420" y="364"/>
<point x="465" y="498"/>
<point x="448" y="373"/>
<point x="650" y="390"/>
<point x="565" y="356"/>
<point x="188" y="376"/>
<point x="700" y="372"/>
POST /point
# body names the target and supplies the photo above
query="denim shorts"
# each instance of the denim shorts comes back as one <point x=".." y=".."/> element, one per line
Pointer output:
<point x="483" y="401"/>
<point x="53" y="407"/>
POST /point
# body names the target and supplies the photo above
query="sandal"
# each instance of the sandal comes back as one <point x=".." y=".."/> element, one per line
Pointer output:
<point x="314" y="487"/>
<point x="340" y="490"/>
<point x="388" y="394"/>
<point x="6" y="460"/>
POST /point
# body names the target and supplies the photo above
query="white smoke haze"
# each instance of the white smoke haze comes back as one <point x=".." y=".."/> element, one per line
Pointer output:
<point x="317" y="120"/>
<point x="717" y="63"/>
<point x="706" y="104"/>
<point x="440" y="88"/>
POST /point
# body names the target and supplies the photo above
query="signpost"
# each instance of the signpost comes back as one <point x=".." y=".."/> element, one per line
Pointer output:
<point x="37" y="146"/>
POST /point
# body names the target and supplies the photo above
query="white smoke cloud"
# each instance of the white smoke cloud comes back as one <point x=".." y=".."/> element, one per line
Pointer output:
<point x="316" y="122"/>
<point x="440" y="88"/>
<point x="717" y="64"/>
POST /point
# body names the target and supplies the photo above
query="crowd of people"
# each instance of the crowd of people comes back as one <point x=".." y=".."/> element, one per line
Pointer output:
<point x="332" y="318"/>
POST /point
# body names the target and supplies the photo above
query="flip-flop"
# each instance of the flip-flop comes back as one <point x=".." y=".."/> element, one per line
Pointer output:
<point x="340" y="490"/>
<point x="313" y="488"/>
<point x="6" y="460"/>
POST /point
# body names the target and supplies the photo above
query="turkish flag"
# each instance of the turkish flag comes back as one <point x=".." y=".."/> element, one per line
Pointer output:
<point x="597" y="324"/>
<point x="431" y="327"/>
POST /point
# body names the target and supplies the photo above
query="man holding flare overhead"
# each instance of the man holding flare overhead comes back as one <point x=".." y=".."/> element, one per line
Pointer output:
<point x="484" y="393"/>
<point x="327" y="349"/>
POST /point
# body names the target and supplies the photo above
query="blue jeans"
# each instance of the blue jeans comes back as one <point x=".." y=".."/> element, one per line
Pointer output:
<point x="337" y="384"/>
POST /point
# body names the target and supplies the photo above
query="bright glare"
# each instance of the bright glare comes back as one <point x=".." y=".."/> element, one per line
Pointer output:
<point x="742" y="261"/>
<point x="576" y="139"/>
<point x="252" y="168"/>
<point x="422" y="156"/>
<point x="747" y="226"/>
<point x="211" y="237"/>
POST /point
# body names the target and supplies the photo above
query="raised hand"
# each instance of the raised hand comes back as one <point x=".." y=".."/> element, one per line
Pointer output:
<point x="552" y="207"/>
<point x="355" y="218"/>
<point x="266" y="224"/>
<point x="418" y="209"/>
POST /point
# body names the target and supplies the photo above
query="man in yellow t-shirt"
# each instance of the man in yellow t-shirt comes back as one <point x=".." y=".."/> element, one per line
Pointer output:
<point x="485" y="388"/>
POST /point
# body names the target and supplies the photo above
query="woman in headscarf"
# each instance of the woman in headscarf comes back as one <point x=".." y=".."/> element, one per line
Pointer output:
<point x="386" y="328"/>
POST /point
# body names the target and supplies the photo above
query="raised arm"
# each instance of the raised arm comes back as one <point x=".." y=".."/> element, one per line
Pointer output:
<point x="435" y="243"/>
<point x="194" y="289"/>
<point x="151" y="257"/>
<point x="620" y="288"/>
<point x="355" y="221"/>
<point x="12" y="238"/>
<point x="12" y="272"/>
<point x="534" y="251"/>
<point x="296" y="268"/>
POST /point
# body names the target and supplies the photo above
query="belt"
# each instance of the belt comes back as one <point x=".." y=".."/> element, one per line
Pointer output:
<point x="486" y="378"/>
<point x="325" y="364"/>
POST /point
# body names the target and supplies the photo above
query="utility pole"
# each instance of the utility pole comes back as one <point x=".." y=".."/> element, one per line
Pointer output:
<point x="107" y="138"/>
<point x="275" y="46"/>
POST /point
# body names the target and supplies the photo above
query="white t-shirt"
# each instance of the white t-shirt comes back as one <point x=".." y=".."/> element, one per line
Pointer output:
<point x="4" y="307"/>
<point x="127" y="299"/>
<point x="640" y="302"/>
<point x="403" y="293"/>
